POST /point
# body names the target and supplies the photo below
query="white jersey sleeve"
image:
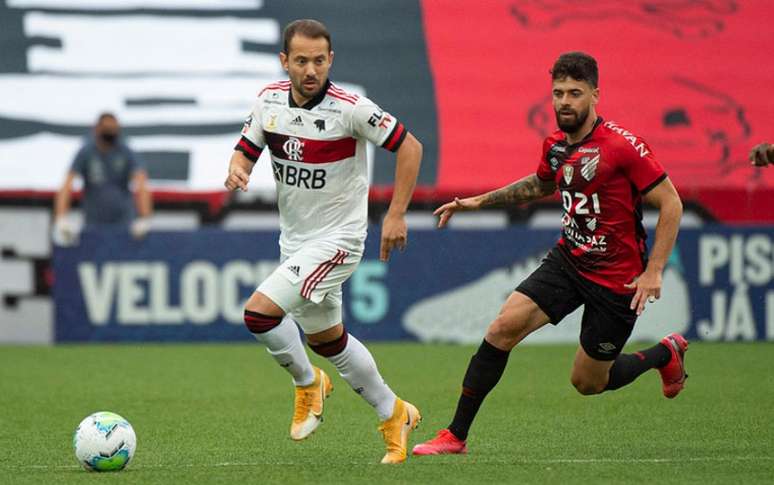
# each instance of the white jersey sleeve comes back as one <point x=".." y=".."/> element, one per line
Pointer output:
<point x="252" y="141"/>
<point x="369" y="121"/>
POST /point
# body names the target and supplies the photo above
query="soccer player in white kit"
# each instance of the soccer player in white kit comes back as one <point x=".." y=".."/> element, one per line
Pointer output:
<point x="317" y="133"/>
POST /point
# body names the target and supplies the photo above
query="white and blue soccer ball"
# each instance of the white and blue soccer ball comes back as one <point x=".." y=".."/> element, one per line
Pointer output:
<point x="104" y="442"/>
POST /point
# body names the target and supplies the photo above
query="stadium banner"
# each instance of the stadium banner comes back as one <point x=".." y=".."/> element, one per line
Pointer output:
<point x="468" y="78"/>
<point x="182" y="76"/>
<point x="447" y="286"/>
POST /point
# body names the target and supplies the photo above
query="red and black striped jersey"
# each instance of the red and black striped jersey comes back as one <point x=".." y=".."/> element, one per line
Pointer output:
<point x="601" y="180"/>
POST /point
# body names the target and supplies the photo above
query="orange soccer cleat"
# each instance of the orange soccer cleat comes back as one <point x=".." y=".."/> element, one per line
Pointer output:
<point x="308" y="405"/>
<point x="395" y="430"/>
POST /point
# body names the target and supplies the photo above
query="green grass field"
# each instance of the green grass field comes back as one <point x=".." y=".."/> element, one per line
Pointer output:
<point x="220" y="414"/>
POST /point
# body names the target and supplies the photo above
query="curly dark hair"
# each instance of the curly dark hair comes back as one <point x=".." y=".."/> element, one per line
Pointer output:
<point x="313" y="29"/>
<point x="577" y="65"/>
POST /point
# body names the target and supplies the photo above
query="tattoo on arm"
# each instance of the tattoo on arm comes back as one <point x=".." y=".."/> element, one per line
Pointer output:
<point x="522" y="191"/>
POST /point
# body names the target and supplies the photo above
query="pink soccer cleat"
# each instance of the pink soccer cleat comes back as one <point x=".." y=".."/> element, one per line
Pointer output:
<point x="673" y="374"/>
<point x="444" y="443"/>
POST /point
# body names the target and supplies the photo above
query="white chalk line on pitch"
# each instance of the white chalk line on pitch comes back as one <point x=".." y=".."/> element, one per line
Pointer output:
<point x="548" y="461"/>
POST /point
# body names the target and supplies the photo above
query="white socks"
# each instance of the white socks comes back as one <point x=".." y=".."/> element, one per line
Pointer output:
<point x="356" y="365"/>
<point x="283" y="342"/>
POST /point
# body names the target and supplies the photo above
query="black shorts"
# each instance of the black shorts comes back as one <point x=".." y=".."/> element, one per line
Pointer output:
<point x="558" y="289"/>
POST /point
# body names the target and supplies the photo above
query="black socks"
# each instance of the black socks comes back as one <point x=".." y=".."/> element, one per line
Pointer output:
<point x="628" y="367"/>
<point x="484" y="371"/>
<point x="488" y="364"/>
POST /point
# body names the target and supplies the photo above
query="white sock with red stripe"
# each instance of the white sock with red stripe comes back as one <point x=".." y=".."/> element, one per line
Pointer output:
<point x="356" y="365"/>
<point x="284" y="343"/>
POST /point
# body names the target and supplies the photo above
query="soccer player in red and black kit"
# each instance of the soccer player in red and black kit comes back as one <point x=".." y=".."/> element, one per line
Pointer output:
<point x="603" y="173"/>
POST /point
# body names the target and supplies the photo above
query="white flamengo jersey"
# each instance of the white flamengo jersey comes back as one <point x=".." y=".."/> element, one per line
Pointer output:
<point x="318" y="156"/>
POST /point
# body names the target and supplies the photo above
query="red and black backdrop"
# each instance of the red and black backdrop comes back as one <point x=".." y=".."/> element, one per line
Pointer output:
<point x="470" y="79"/>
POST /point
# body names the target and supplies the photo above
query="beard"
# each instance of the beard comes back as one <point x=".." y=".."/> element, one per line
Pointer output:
<point x="305" y="91"/>
<point x="573" y="124"/>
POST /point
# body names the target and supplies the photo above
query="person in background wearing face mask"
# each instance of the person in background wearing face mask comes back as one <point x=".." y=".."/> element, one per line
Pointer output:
<point x="110" y="169"/>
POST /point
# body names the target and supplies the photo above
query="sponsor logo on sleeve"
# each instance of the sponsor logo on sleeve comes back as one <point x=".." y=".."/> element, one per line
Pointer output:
<point x="380" y="119"/>
<point x="248" y="123"/>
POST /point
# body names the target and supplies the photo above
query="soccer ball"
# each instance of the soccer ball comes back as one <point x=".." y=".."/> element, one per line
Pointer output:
<point x="104" y="442"/>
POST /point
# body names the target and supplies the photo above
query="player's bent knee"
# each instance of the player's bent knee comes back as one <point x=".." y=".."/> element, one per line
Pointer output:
<point x="334" y="347"/>
<point x="504" y="333"/>
<point x="260" y="323"/>
<point x="586" y="387"/>
<point x="508" y="329"/>
<point x="518" y="317"/>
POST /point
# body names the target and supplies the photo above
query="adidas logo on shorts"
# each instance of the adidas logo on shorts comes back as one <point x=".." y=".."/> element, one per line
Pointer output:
<point x="295" y="269"/>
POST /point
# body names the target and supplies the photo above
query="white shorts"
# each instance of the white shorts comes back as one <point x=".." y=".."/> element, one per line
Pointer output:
<point x="307" y="284"/>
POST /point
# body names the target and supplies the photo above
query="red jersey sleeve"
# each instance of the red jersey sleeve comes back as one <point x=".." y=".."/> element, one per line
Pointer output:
<point x="544" y="171"/>
<point x="640" y="165"/>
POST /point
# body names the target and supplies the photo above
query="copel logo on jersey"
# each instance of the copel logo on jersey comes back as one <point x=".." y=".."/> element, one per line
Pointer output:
<point x="294" y="149"/>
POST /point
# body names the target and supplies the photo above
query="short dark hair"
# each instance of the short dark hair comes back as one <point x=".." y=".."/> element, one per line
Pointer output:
<point x="311" y="28"/>
<point x="106" y="114"/>
<point x="577" y="65"/>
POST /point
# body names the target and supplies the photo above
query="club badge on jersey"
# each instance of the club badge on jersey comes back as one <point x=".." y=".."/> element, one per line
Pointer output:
<point x="589" y="167"/>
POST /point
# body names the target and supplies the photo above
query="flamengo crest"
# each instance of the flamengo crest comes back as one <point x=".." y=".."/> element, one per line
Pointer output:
<point x="294" y="148"/>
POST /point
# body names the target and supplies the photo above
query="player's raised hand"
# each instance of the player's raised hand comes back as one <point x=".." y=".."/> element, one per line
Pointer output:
<point x="647" y="288"/>
<point x="237" y="179"/>
<point x="448" y="209"/>
<point x="762" y="155"/>
<point x="394" y="235"/>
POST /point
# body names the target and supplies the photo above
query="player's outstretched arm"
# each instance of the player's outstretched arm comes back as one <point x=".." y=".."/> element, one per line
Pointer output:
<point x="239" y="169"/>
<point x="647" y="286"/>
<point x="522" y="191"/>
<point x="394" y="229"/>
<point x="762" y="155"/>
